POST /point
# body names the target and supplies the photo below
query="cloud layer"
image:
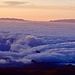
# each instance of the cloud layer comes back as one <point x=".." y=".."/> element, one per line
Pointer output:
<point x="24" y="50"/>
<point x="20" y="43"/>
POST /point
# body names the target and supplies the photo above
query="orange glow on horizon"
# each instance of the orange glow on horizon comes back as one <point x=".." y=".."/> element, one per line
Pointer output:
<point x="36" y="14"/>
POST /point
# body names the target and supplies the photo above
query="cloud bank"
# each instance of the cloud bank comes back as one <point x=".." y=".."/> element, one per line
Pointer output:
<point x="24" y="50"/>
<point x="20" y="43"/>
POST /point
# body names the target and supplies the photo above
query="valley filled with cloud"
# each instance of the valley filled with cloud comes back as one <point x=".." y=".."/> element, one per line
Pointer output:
<point x="47" y="42"/>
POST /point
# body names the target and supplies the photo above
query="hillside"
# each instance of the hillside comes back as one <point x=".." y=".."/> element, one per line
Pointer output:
<point x="67" y="70"/>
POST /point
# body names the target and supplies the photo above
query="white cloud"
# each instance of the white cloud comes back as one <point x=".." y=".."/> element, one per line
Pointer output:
<point x="53" y="49"/>
<point x="2" y="61"/>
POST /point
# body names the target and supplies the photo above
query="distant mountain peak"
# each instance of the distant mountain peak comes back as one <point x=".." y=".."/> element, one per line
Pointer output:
<point x="11" y="19"/>
<point x="64" y="20"/>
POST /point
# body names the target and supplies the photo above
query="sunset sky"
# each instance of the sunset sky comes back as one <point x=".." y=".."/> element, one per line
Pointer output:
<point x="38" y="10"/>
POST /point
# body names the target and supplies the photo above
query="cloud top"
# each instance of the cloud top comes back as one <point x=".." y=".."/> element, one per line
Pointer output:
<point x="40" y="46"/>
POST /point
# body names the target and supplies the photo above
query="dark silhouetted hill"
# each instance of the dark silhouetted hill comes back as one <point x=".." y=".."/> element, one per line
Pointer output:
<point x="64" y="20"/>
<point x="11" y="19"/>
<point x="66" y="70"/>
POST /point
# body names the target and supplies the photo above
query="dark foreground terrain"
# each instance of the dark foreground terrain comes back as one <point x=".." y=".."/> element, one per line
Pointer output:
<point x="66" y="70"/>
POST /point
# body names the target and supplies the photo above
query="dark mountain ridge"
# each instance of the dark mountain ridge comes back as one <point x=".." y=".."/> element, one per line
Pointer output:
<point x="64" y="20"/>
<point x="11" y="19"/>
<point x="66" y="70"/>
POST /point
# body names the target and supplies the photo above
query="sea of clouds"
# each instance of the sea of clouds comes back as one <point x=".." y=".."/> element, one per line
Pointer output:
<point x="22" y="42"/>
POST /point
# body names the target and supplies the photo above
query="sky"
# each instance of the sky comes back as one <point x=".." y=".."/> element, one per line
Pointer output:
<point x="38" y="10"/>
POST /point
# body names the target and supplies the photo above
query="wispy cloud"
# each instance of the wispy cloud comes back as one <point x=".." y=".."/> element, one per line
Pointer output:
<point x="48" y="7"/>
<point x="28" y="5"/>
<point x="14" y="3"/>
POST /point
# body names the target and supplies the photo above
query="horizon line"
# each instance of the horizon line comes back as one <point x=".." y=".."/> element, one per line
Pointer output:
<point x="22" y="19"/>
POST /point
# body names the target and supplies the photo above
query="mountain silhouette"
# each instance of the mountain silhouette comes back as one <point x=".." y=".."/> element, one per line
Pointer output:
<point x="64" y="20"/>
<point x="66" y="70"/>
<point x="11" y="19"/>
